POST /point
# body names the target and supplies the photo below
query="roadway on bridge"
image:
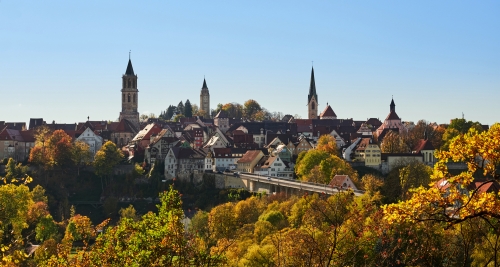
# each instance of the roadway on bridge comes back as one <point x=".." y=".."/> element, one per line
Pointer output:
<point x="312" y="187"/>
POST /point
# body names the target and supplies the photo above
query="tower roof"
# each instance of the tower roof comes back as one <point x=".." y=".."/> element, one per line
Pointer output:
<point x="312" y="88"/>
<point x="393" y="106"/>
<point x="204" y="84"/>
<point x="130" y="69"/>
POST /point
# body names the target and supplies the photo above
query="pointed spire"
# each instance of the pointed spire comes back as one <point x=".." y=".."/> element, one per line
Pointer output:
<point x="204" y="84"/>
<point x="393" y="106"/>
<point x="312" y="88"/>
<point x="130" y="70"/>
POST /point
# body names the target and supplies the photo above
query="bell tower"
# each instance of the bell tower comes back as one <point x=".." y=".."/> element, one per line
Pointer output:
<point x="205" y="99"/>
<point x="312" y="99"/>
<point x="130" y="96"/>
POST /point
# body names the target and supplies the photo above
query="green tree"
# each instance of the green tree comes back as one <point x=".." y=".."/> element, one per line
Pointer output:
<point x="81" y="154"/>
<point x="46" y="228"/>
<point x="188" y="109"/>
<point x="106" y="159"/>
<point x="328" y="165"/>
<point x="170" y="112"/>
<point x="457" y="127"/>
<point x="180" y="108"/>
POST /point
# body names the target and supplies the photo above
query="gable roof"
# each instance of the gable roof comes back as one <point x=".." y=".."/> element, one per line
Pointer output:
<point x="328" y="112"/>
<point x="124" y="126"/>
<point x="338" y="180"/>
<point x="392" y="116"/>
<point x="423" y="145"/>
<point x="250" y="156"/>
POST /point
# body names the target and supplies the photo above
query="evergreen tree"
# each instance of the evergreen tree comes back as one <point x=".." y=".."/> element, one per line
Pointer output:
<point x="180" y="108"/>
<point x="170" y="112"/>
<point x="188" y="109"/>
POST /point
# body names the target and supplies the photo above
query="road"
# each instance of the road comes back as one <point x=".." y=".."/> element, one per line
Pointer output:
<point x="284" y="182"/>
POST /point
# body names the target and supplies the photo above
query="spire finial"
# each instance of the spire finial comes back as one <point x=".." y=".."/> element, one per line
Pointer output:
<point x="312" y="63"/>
<point x="88" y="118"/>
<point x="130" y="51"/>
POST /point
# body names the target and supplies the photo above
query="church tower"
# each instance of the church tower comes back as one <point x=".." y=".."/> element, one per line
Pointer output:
<point x="130" y="96"/>
<point x="205" y="98"/>
<point x="312" y="99"/>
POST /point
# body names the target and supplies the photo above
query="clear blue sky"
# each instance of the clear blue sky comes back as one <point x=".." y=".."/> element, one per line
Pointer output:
<point x="63" y="60"/>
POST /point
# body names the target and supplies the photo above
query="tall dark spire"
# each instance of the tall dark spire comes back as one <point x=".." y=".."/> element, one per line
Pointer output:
<point x="130" y="70"/>
<point x="393" y="106"/>
<point x="204" y="84"/>
<point x="312" y="88"/>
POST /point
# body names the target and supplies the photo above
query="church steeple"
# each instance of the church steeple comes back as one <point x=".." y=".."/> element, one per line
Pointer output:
<point x="312" y="87"/>
<point x="130" y="96"/>
<point x="312" y="99"/>
<point x="130" y="69"/>
<point x="205" y="99"/>
<point x="393" y="106"/>
<point x="204" y="84"/>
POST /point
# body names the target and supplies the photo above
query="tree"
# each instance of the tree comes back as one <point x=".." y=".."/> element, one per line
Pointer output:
<point x="170" y="112"/>
<point x="195" y="110"/>
<point x="251" y="107"/>
<point x="328" y="165"/>
<point x="178" y="117"/>
<point x="394" y="143"/>
<point x="144" y="117"/>
<point x="188" y="109"/>
<point x="424" y="130"/>
<point x="106" y="159"/>
<point x="233" y="110"/>
<point x="328" y="144"/>
<point x="459" y="197"/>
<point x="458" y="126"/>
<point x="52" y="149"/>
<point x="81" y="154"/>
<point x="180" y="108"/>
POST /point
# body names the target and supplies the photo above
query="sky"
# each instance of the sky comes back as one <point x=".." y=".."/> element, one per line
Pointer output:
<point x="63" y="60"/>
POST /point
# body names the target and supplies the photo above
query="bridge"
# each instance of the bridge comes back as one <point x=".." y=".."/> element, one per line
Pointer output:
<point x="270" y="185"/>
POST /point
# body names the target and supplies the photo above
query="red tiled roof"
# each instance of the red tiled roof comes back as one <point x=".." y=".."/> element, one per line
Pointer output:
<point x="28" y="136"/>
<point x="392" y="116"/>
<point x="249" y="156"/>
<point x="338" y="180"/>
<point x="328" y="112"/>
<point x="423" y="145"/>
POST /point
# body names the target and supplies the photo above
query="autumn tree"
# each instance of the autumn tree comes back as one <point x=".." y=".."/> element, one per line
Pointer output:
<point x="457" y="127"/>
<point x="81" y="154"/>
<point x="394" y="143"/>
<point x="328" y="144"/>
<point x="52" y="149"/>
<point x="233" y="110"/>
<point x="457" y="198"/>
<point x="251" y="108"/>
<point x="328" y="165"/>
<point x="424" y="130"/>
<point x="106" y="159"/>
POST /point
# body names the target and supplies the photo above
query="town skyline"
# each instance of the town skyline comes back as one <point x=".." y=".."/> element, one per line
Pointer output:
<point x="436" y="68"/>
